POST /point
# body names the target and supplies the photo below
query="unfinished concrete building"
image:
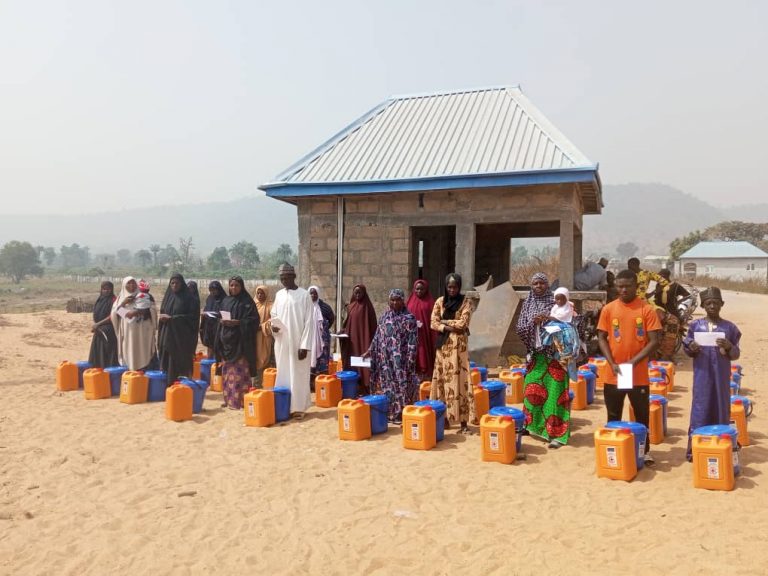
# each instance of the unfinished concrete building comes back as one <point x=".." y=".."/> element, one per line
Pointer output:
<point x="429" y="184"/>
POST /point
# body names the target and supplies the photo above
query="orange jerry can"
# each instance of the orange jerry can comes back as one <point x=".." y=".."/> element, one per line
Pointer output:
<point x="482" y="401"/>
<point x="615" y="454"/>
<point x="96" y="384"/>
<point x="658" y="387"/>
<point x="712" y="462"/>
<point x="497" y="434"/>
<point x="66" y="376"/>
<point x="259" y="408"/>
<point x="655" y="372"/>
<point x="217" y="380"/>
<point x="196" y="369"/>
<point x="655" y="422"/>
<point x="269" y="377"/>
<point x="514" y="380"/>
<point x="579" y="388"/>
<point x="327" y="391"/>
<point x="354" y="419"/>
<point x="133" y="387"/>
<point x="603" y="370"/>
<point x="420" y="427"/>
<point x="178" y="402"/>
<point x="425" y="389"/>
<point x="333" y="367"/>
<point x="739" y="421"/>
<point x="475" y="378"/>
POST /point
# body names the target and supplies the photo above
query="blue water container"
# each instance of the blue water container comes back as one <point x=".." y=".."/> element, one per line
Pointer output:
<point x="745" y="401"/>
<point x="737" y="366"/>
<point x="640" y="433"/>
<point x="115" y="375"/>
<point x="719" y="430"/>
<point x="158" y="382"/>
<point x="198" y="392"/>
<point x="379" y="404"/>
<point x="205" y="369"/>
<point x="519" y="418"/>
<point x="283" y="403"/>
<point x="483" y="373"/>
<point x="522" y="371"/>
<point x="664" y="403"/>
<point x="589" y="366"/>
<point x="438" y="407"/>
<point x="735" y="389"/>
<point x="591" y="381"/>
<point x="735" y="377"/>
<point x="82" y="366"/>
<point x="496" y="393"/>
<point x="571" y="395"/>
<point x="472" y="365"/>
<point x="349" y="380"/>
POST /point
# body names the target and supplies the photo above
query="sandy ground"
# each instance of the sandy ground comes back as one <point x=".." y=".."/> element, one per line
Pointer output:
<point x="97" y="487"/>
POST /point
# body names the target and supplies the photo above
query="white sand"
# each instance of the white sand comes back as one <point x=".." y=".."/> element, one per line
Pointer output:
<point x="92" y="487"/>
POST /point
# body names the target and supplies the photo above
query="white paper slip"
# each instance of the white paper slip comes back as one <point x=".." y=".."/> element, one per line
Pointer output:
<point x="339" y="335"/>
<point x="552" y="329"/>
<point x="358" y="361"/>
<point x="707" y="338"/>
<point x="277" y="323"/>
<point x="122" y="311"/>
<point x="212" y="314"/>
<point x="625" y="378"/>
<point x="225" y="315"/>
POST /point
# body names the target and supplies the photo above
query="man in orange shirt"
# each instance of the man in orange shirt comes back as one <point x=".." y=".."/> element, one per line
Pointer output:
<point x="628" y="332"/>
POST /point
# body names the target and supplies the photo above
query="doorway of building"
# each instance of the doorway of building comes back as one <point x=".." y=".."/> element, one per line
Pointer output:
<point x="433" y="255"/>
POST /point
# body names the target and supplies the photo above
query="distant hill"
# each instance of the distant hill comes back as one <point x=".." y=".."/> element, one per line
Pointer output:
<point x="747" y="213"/>
<point x="650" y="215"/>
<point x="265" y="222"/>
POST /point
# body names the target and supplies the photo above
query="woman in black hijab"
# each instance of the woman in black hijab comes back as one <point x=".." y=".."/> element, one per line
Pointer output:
<point x="235" y="345"/>
<point x="192" y="285"/>
<point x="104" y="343"/>
<point x="177" y="335"/>
<point x="209" y="324"/>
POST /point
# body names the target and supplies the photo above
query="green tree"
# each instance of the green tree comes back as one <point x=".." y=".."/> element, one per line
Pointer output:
<point x="19" y="260"/>
<point x="219" y="260"/>
<point x="626" y="250"/>
<point x="169" y="256"/>
<point x="244" y="255"/>
<point x="123" y="257"/>
<point x="143" y="258"/>
<point x="519" y="254"/>
<point x="284" y="253"/>
<point x="75" y="256"/>
<point x="155" y="249"/>
<point x="49" y="254"/>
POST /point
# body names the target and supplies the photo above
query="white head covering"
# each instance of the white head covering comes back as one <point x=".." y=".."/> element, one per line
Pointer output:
<point x="124" y="293"/>
<point x="317" y="343"/>
<point x="563" y="313"/>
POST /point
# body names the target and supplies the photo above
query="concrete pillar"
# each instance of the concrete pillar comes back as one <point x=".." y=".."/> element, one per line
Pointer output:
<point x="465" y="253"/>
<point x="567" y="253"/>
<point x="578" y="250"/>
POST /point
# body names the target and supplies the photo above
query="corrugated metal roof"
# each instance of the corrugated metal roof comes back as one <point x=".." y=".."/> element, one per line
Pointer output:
<point x="471" y="132"/>
<point x="724" y="250"/>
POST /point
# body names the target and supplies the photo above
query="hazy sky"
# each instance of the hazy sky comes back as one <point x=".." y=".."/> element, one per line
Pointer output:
<point x="113" y="104"/>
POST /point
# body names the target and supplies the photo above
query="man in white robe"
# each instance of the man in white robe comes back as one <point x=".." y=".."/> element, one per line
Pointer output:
<point x="294" y="309"/>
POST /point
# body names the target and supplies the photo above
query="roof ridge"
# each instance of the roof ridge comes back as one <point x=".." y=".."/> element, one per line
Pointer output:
<point x="448" y="92"/>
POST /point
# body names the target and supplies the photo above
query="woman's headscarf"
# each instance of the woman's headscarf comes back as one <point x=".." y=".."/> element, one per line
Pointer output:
<point x="360" y="325"/>
<point x="562" y="313"/>
<point x="325" y="308"/>
<point x="234" y="342"/>
<point x="421" y="308"/>
<point x="213" y="301"/>
<point x="533" y="306"/>
<point x="103" y="306"/>
<point x="264" y="337"/>
<point x="177" y="338"/>
<point x="317" y="343"/>
<point x="124" y="293"/>
<point x="208" y="324"/>
<point x="451" y="305"/>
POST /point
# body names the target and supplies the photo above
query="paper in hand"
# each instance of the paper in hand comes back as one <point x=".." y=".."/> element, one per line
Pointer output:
<point x="707" y="338"/>
<point x="626" y="377"/>
<point x="277" y="323"/>
<point x="358" y="361"/>
<point x="225" y="315"/>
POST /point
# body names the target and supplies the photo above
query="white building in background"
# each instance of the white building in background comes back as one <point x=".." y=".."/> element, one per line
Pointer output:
<point x="733" y="260"/>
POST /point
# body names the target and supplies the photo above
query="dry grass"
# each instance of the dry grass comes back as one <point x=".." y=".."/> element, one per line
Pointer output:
<point x="751" y="286"/>
<point x="520" y="274"/>
<point x="40" y="294"/>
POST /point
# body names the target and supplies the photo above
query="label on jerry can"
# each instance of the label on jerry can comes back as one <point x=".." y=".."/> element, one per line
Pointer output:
<point x="493" y="440"/>
<point x="251" y="410"/>
<point x="641" y="449"/>
<point x="125" y="387"/>
<point x="713" y="468"/>
<point x="346" y="424"/>
<point x="735" y="458"/>
<point x="415" y="431"/>
<point x="322" y="393"/>
<point x="610" y="456"/>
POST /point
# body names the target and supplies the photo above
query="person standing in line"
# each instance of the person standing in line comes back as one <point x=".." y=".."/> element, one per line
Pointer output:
<point x="644" y="278"/>
<point x="359" y="326"/>
<point x="420" y="304"/>
<point x="321" y="349"/>
<point x="451" y="315"/>
<point x="628" y="332"/>
<point x="265" y="341"/>
<point x="103" y="352"/>
<point x="209" y="318"/>
<point x="195" y="291"/>
<point x="294" y="310"/>
<point x="711" y="398"/>
<point x="134" y="318"/>
<point x="235" y="345"/>
<point x="393" y="354"/>
<point x="177" y="335"/>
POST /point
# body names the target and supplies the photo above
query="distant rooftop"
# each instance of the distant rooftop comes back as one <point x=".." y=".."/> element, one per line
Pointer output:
<point x="466" y="138"/>
<point x="724" y="250"/>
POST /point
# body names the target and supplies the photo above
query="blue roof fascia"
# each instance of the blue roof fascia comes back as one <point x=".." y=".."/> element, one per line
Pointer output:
<point x="299" y="189"/>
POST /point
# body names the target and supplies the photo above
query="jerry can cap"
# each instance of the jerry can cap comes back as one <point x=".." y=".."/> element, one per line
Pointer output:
<point x="507" y="419"/>
<point x="738" y="401"/>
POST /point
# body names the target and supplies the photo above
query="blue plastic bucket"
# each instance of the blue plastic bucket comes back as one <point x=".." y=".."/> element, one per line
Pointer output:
<point x="519" y="418"/>
<point x="158" y="383"/>
<point x="282" y="403"/>
<point x="379" y="404"/>
<point x="82" y="366"/>
<point x="640" y="433"/>
<point x="349" y="380"/>
<point x="664" y="404"/>
<point x="205" y="369"/>
<point x="735" y="377"/>
<point x="198" y="393"/>
<point x="496" y="393"/>
<point x="745" y="401"/>
<point x="483" y="373"/>
<point x="719" y="430"/>
<point x="115" y="376"/>
<point x="591" y="381"/>
<point x="472" y="364"/>
<point x="439" y="409"/>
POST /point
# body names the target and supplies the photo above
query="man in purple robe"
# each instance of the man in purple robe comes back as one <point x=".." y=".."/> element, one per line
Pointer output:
<point x="711" y="402"/>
